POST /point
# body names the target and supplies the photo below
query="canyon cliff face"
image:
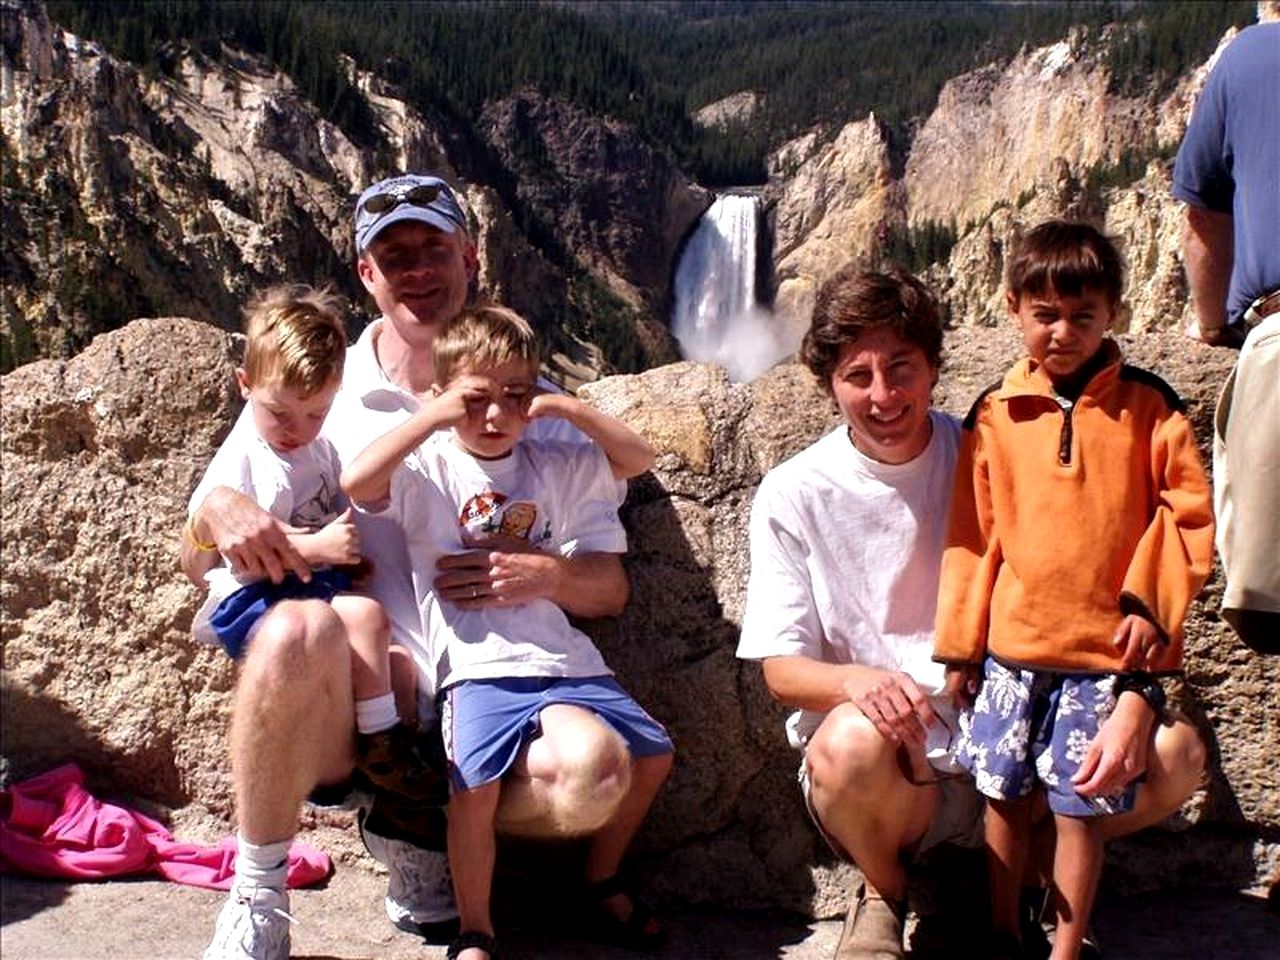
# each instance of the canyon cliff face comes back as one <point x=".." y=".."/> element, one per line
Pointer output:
<point x="131" y="194"/>
<point x="830" y="205"/>
<point x="183" y="190"/>
<point x="1006" y="146"/>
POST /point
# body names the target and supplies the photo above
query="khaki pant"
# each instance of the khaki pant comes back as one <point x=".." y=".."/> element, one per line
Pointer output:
<point x="1246" y="479"/>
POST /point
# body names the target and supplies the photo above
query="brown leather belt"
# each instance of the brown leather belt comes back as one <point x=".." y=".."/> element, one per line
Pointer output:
<point x="1263" y="307"/>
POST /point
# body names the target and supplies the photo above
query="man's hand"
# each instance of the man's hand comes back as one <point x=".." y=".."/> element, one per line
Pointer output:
<point x="336" y="543"/>
<point x="893" y="702"/>
<point x="502" y="572"/>
<point x="1208" y="250"/>
<point x="253" y="541"/>
<point x="507" y="571"/>
<point x="1224" y="336"/>
<point x="1118" y="753"/>
<point x="1138" y="641"/>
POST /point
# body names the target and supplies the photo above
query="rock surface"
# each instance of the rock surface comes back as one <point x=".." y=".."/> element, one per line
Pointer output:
<point x="101" y="452"/>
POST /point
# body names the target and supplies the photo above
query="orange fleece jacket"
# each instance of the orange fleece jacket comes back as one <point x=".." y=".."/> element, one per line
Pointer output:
<point x="1066" y="517"/>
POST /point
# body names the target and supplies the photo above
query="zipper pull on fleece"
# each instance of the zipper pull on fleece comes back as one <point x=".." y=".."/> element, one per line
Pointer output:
<point x="1064" y="441"/>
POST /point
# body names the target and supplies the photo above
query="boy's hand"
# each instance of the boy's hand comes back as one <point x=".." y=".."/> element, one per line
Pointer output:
<point x="544" y="403"/>
<point x="1118" y="753"/>
<point x="963" y="681"/>
<point x="894" y="703"/>
<point x="337" y="542"/>
<point x="452" y="407"/>
<point x="1138" y="641"/>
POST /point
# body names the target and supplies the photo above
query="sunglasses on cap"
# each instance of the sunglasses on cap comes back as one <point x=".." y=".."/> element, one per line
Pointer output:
<point x="423" y="195"/>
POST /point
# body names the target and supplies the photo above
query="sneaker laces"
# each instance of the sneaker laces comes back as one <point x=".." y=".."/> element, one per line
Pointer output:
<point x="250" y="901"/>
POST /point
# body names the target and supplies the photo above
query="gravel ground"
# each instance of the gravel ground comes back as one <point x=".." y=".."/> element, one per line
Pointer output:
<point x="153" y="920"/>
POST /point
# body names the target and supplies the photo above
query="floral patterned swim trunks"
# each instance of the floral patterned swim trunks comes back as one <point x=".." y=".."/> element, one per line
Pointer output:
<point x="1031" y="726"/>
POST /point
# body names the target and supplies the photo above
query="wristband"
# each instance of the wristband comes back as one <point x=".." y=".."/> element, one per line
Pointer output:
<point x="190" y="530"/>
<point x="1144" y="685"/>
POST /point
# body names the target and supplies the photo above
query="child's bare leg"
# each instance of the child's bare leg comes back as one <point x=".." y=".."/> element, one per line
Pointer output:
<point x="1007" y="829"/>
<point x="609" y="844"/>
<point x="404" y="682"/>
<point x="368" y="635"/>
<point x="471" y="856"/>
<point x="1077" y="866"/>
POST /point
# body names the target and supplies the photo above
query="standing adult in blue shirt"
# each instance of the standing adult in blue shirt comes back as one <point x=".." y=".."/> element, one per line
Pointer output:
<point x="1228" y="174"/>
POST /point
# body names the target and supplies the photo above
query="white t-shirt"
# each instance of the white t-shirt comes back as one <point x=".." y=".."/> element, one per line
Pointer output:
<point x="559" y="496"/>
<point x="845" y="556"/>
<point x="368" y="405"/>
<point x="299" y="488"/>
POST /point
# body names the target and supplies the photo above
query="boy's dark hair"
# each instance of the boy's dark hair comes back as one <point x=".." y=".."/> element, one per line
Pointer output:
<point x="855" y="301"/>
<point x="484" y="335"/>
<point x="1065" y="257"/>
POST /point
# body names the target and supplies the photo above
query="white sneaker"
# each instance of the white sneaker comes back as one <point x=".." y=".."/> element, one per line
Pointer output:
<point x="253" y="925"/>
<point x="420" y="890"/>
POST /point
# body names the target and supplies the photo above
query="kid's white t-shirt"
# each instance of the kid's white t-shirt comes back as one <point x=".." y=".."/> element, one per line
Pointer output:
<point x="299" y="488"/>
<point x="560" y="497"/>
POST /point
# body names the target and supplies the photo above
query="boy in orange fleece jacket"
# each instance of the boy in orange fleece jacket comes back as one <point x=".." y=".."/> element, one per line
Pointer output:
<point x="1081" y="529"/>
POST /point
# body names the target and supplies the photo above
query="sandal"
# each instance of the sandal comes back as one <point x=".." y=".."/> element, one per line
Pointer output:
<point x="639" y="931"/>
<point x="471" y="940"/>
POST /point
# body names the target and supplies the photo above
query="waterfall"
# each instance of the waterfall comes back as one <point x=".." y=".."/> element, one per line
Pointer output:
<point x="716" y="318"/>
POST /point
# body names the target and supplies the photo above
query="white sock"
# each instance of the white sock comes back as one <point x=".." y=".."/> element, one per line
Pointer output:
<point x="266" y="864"/>
<point x="376" y="713"/>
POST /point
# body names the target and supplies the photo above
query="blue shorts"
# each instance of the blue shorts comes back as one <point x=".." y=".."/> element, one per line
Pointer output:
<point x="486" y="723"/>
<point x="1032" y="727"/>
<point x="235" y="617"/>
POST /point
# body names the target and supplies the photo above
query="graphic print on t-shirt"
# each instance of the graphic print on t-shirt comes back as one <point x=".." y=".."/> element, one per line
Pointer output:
<point x="318" y="509"/>
<point x="492" y="512"/>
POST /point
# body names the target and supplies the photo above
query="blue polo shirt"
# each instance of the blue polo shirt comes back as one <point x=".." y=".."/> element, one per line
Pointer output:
<point x="1229" y="160"/>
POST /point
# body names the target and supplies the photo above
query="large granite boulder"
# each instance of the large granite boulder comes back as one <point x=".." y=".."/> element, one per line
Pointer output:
<point x="100" y="454"/>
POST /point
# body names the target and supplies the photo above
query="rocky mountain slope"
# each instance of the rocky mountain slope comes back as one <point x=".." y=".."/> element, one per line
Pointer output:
<point x="1006" y="146"/>
<point x="178" y="191"/>
<point x="129" y="193"/>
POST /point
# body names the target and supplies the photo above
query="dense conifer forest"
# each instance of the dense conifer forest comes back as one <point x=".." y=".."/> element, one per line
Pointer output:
<point x="817" y="64"/>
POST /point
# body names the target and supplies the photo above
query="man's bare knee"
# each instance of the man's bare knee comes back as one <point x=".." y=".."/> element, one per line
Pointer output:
<point x="570" y="780"/>
<point x="593" y="768"/>
<point x="1181" y="747"/>
<point x="849" y="752"/>
<point x="1180" y="761"/>
<point x="297" y="645"/>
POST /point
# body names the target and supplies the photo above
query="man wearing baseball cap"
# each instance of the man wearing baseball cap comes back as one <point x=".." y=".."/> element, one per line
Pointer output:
<point x="292" y="731"/>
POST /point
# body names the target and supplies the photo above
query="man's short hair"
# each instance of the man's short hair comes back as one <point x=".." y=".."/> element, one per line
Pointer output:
<point x="295" y="337"/>
<point x="409" y="197"/>
<point x="855" y="301"/>
<point x="484" y="336"/>
<point x="1065" y="257"/>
